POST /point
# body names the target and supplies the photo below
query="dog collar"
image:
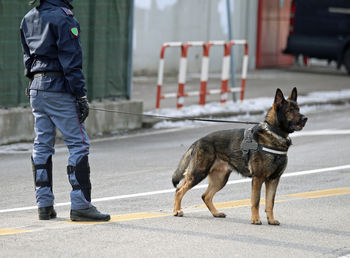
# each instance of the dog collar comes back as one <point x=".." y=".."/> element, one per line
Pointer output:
<point x="275" y="130"/>
<point x="278" y="133"/>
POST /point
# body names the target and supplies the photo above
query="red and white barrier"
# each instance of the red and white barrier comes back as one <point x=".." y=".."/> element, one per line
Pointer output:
<point x="225" y="75"/>
<point x="204" y="74"/>
<point x="161" y="72"/>
<point x="182" y="73"/>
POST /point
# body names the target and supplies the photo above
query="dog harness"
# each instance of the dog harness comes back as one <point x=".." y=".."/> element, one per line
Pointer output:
<point x="249" y="145"/>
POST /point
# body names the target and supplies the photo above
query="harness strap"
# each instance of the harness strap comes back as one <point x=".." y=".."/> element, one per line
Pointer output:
<point x="278" y="152"/>
<point x="249" y="145"/>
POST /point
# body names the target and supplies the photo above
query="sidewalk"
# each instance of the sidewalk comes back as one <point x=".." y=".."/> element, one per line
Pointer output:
<point x="260" y="83"/>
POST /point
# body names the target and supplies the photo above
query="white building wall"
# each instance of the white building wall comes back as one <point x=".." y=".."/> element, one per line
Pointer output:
<point x="160" y="21"/>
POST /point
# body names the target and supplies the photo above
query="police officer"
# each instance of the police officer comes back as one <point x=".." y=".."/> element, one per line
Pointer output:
<point x="50" y="37"/>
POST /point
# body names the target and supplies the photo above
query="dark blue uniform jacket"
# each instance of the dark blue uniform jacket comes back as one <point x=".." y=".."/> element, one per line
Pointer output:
<point x="50" y="38"/>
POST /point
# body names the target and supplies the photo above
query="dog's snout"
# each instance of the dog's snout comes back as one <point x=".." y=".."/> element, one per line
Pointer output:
<point x="303" y="119"/>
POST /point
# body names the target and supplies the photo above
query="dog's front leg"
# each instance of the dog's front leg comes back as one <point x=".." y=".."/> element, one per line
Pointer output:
<point x="271" y="187"/>
<point x="255" y="200"/>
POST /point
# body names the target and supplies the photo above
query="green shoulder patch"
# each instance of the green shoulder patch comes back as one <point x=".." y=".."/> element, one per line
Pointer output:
<point x="75" y="31"/>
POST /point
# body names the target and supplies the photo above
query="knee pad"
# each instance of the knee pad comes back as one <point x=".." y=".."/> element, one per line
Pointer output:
<point x="79" y="177"/>
<point x="43" y="180"/>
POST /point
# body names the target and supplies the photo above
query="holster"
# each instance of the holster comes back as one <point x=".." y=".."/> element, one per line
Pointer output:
<point x="28" y="87"/>
<point x="30" y="76"/>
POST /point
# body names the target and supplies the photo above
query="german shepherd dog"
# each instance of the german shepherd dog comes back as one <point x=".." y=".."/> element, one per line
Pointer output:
<point x="258" y="152"/>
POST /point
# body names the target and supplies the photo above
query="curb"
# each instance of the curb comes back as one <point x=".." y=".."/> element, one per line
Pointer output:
<point x="16" y="124"/>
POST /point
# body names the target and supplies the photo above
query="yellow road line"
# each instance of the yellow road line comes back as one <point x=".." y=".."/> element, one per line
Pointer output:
<point x="219" y="205"/>
<point x="227" y="205"/>
<point x="231" y="204"/>
<point x="4" y="232"/>
<point x="137" y="216"/>
<point x="321" y="193"/>
<point x="235" y="204"/>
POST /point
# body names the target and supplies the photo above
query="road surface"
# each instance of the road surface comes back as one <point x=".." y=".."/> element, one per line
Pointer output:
<point x="131" y="177"/>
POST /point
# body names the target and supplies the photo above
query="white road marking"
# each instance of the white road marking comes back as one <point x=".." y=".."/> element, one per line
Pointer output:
<point x="321" y="133"/>
<point x="232" y="182"/>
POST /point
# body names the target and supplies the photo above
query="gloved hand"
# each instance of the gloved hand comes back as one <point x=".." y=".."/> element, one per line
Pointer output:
<point x="84" y="108"/>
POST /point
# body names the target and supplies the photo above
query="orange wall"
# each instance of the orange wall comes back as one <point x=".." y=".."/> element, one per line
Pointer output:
<point x="273" y="28"/>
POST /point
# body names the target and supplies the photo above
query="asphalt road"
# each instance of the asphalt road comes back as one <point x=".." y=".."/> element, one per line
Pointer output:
<point x="131" y="178"/>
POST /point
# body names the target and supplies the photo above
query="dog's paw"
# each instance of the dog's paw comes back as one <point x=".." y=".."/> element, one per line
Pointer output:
<point x="219" y="215"/>
<point x="274" y="222"/>
<point x="255" y="221"/>
<point x="179" y="213"/>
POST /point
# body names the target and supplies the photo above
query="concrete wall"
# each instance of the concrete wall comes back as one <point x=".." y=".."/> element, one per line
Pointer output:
<point x="16" y="124"/>
<point x="160" y="21"/>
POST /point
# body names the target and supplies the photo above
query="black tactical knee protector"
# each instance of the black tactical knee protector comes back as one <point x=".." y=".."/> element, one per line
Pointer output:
<point x="48" y="168"/>
<point x="82" y="175"/>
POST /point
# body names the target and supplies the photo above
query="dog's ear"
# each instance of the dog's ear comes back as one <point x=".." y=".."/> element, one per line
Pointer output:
<point x="279" y="98"/>
<point x="294" y="94"/>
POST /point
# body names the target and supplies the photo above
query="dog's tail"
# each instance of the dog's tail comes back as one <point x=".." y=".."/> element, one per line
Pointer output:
<point x="181" y="169"/>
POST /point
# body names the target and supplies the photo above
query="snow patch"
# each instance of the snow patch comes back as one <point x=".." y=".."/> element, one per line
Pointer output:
<point x="162" y="4"/>
<point x="247" y="106"/>
<point x="324" y="96"/>
<point x="143" y="4"/>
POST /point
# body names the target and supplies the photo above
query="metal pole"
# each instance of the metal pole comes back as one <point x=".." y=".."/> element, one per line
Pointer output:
<point x="129" y="84"/>
<point x="91" y="53"/>
<point x="233" y="79"/>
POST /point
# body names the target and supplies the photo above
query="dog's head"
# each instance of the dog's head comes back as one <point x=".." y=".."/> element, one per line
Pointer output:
<point x="285" y="114"/>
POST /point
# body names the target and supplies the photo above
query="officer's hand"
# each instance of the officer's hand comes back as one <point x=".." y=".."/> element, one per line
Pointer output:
<point x="84" y="108"/>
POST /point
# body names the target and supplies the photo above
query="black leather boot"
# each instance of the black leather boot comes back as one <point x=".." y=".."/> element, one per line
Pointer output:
<point x="46" y="213"/>
<point x="90" y="214"/>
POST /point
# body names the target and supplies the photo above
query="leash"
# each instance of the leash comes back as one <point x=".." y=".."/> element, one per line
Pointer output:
<point x="175" y="118"/>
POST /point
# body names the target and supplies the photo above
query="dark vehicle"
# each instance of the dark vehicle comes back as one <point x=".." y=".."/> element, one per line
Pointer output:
<point x="320" y="29"/>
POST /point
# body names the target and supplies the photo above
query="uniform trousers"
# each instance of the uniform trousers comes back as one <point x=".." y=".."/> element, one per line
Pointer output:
<point x="53" y="110"/>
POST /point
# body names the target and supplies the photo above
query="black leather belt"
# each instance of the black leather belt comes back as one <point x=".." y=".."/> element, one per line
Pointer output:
<point x="42" y="74"/>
